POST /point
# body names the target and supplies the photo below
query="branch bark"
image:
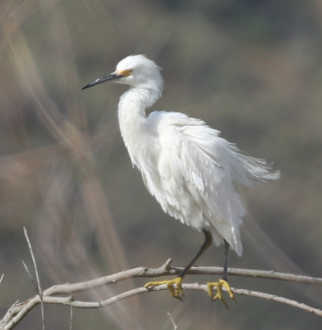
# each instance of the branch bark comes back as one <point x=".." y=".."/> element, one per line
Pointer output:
<point x="57" y="293"/>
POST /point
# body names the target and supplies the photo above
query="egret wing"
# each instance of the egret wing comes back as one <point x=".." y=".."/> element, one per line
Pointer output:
<point x="196" y="176"/>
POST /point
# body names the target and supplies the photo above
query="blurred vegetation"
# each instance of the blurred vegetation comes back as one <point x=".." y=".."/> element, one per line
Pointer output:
<point x="251" y="69"/>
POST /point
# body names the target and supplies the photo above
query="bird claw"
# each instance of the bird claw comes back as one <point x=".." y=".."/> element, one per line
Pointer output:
<point x="219" y="285"/>
<point x="174" y="286"/>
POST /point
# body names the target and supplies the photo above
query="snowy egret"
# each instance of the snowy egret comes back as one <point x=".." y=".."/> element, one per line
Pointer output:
<point x="185" y="165"/>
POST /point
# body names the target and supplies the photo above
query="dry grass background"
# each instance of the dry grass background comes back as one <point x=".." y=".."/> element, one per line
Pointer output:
<point x="252" y="70"/>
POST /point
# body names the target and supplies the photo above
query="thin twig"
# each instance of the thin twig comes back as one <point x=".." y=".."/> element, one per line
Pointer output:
<point x="39" y="291"/>
<point x="172" y="321"/>
<point x="32" y="281"/>
<point x="1" y="278"/>
<point x="33" y="258"/>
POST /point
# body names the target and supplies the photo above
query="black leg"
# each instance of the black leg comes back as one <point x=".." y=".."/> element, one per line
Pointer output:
<point x="222" y="282"/>
<point x="226" y="261"/>
<point x="175" y="286"/>
<point x="205" y="245"/>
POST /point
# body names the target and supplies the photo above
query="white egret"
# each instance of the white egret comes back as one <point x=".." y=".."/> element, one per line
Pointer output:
<point x="185" y="165"/>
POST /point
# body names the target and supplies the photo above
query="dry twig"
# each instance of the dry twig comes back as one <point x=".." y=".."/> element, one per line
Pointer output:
<point x="172" y="321"/>
<point x="38" y="290"/>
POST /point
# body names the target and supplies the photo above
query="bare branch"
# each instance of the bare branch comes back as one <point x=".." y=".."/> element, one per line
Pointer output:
<point x="16" y="313"/>
<point x="19" y="310"/>
<point x="22" y="309"/>
<point x="272" y="275"/>
<point x="191" y="286"/>
<point x="166" y="269"/>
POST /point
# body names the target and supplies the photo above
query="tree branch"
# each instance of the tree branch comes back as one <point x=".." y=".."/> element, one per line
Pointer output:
<point x="167" y="269"/>
<point x="19" y="310"/>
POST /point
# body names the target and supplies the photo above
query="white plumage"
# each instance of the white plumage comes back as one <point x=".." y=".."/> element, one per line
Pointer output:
<point x="189" y="169"/>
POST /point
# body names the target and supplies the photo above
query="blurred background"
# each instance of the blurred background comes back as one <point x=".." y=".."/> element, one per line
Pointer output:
<point x="251" y="69"/>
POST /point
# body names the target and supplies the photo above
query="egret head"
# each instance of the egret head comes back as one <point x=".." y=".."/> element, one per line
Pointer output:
<point x="136" y="71"/>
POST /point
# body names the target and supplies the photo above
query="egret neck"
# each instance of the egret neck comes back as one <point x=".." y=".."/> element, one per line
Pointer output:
<point x="132" y="117"/>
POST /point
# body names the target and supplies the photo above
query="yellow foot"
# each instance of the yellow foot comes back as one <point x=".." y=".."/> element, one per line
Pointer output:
<point x="174" y="287"/>
<point x="219" y="285"/>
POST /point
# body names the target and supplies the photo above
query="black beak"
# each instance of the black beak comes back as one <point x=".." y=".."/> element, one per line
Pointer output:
<point x="111" y="76"/>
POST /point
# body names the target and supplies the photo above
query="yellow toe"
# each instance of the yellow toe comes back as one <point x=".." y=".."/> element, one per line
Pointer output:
<point x="219" y="285"/>
<point x="174" y="286"/>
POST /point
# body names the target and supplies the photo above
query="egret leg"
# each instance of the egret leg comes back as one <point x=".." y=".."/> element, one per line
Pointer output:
<point x="222" y="282"/>
<point x="225" y="275"/>
<point x="175" y="285"/>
